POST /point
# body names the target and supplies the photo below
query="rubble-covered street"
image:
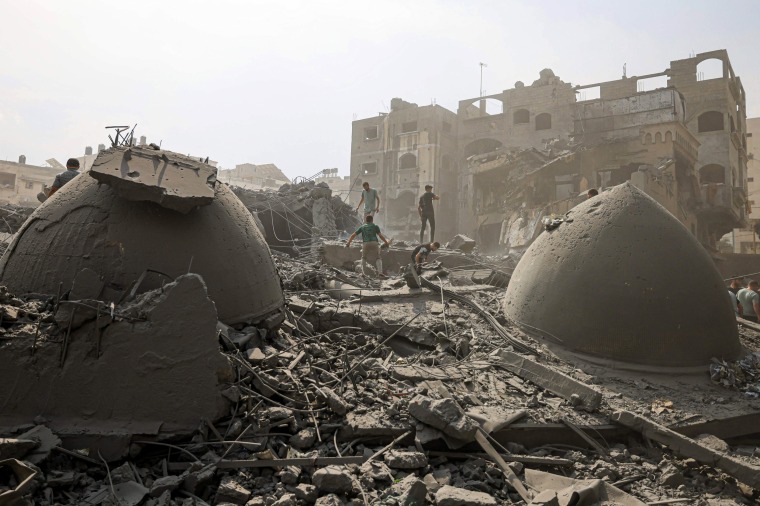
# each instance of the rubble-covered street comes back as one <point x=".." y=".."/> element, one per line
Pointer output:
<point x="393" y="395"/>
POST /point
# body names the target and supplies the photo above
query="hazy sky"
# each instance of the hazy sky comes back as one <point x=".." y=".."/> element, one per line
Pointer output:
<point x="280" y="81"/>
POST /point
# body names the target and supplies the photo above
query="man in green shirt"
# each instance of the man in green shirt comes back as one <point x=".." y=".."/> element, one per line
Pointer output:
<point x="370" y="245"/>
<point x="370" y="199"/>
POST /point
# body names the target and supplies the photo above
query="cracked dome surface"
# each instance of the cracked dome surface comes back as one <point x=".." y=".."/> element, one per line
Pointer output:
<point x="86" y="225"/>
<point x="626" y="281"/>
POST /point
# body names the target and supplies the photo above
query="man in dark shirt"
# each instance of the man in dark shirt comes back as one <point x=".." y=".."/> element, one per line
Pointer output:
<point x="72" y="170"/>
<point x="735" y="286"/>
<point x="425" y="208"/>
<point x="370" y="245"/>
<point x="421" y="252"/>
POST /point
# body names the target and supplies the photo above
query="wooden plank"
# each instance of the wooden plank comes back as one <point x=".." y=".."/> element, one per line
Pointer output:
<point x="554" y="381"/>
<point x="276" y="463"/>
<point x="686" y="447"/>
<point x="511" y="457"/>
<point x="512" y="479"/>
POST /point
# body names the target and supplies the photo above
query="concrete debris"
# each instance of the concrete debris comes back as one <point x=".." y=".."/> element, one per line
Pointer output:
<point x="169" y="179"/>
<point x="462" y="243"/>
<point x="15" y="479"/>
<point x="394" y="396"/>
<point x="298" y="217"/>
<point x="454" y="496"/>
<point x="11" y="448"/>
<point x="742" y="375"/>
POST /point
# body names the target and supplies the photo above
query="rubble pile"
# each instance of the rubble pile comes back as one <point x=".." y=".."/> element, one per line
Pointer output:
<point x="334" y="407"/>
<point x="742" y="375"/>
<point x="297" y="214"/>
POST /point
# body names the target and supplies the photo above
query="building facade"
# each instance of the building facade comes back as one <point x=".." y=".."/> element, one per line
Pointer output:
<point x="20" y="182"/>
<point x="747" y="239"/>
<point x="532" y="150"/>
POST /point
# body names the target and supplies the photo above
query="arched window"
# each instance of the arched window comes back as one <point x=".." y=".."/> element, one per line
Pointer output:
<point x="521" y="116"/>
<point x="712" y="173"/>
<point x="668" y="136"/>
<point x="407" y="161"/>
<point x="543" y="121"/>
<point x="648" y="139"/>
<point x="710" y="121"/>
<point x="712" y="68"/>
<point x="657" y="137"/>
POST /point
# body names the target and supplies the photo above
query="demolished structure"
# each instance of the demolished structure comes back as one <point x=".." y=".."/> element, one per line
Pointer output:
<point x="499" y="171"/>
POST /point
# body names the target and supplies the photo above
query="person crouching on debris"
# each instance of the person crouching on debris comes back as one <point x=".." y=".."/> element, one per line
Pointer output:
<point x="421" y="252"/>
<point x="369" y="198"/>
<point x="72" y="171"/>
<point x="370" y="245"/>
<point x="593" y="192"/>
<point x="750" y="301"/>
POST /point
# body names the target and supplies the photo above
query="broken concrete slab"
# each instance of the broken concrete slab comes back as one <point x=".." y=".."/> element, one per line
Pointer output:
<point x="164" y="346"/>
<point x="444" y="415"/>
<point x="410" y="491"/>
<point x="554" y="381"/>
<point x="371" y="424"/>
<point x="462" y="243"/>
<point x="687" y="447"/>
<point x="46" y="440"/>
<point x="11" y="448"/>
<point x="231" y="491"/>
<point x="397" y="459"/>
<point x="144" y="174"/>
<point x="454" y="496"/>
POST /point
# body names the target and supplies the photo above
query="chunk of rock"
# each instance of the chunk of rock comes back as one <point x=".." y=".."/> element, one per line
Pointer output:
<point x="163" y="484"/>
<point x="304" y="439"/>
<point x="405" y="460"/>
<point x="335" y="402"/>
<point x="453" y="496"/>
<point x="410" y="491"/>
<point x="286" y="500"/>
<point x="231" y="491"/>
<point x="306" y="493"/>
<point x="461" y="243"/>
<point x="545" y="498"/>
<point x="445" y="415"/>
<point x="332" y="479"/>
<point x="329" y="500"/>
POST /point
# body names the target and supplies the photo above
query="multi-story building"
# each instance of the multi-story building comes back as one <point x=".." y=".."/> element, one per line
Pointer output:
<point x="399" y="153"/>
<point x="534" y="149"/>
<point x="20" y="182"/>
<point x="249" y="175"/>
<point x="747" y="240"/>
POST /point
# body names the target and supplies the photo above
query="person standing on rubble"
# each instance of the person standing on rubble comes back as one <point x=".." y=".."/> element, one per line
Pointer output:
<point x="72" y="171"/>
<point x="421" y="252"/>
<point x="425" y="208"/>
<point x="370" y="245"/>
<point x="370" y="199"/>
<point x="750" y="301"/>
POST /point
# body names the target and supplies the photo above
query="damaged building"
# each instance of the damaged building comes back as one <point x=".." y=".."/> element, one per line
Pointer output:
<point x="679" y="135"/>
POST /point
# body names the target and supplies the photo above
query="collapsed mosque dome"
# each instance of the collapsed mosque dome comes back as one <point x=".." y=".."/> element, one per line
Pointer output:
<point x="623" y="279"/>
<point x="140" y="218"/>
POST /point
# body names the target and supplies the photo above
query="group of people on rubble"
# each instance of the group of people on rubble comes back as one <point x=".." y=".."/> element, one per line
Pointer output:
<point x="370" y="232"/>
<point x="745" y="301"/>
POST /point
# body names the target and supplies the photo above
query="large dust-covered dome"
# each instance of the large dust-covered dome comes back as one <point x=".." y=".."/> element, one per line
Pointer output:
<point x="623" y="279"/>
<point x="89" y="225"/>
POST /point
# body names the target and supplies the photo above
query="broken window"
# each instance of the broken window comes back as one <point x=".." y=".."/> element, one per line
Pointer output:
<point x="651" y="83"/>
<point x="543" y="121"/>
<point x="407" y="161"/>
<point x="711" y="68"/>
<point x="370" y="133"/>
<point x="369" y="168"/>
<point x="710" y="121"/>
<point x="521" y="116"/>
<point x="7" y="180"/>
<point x="481" y="146"/>
<point x="410" y="126"/>
<point x="29" y="185"/>
<point x="593" y="93"/>
<point x="712" y="173"/>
